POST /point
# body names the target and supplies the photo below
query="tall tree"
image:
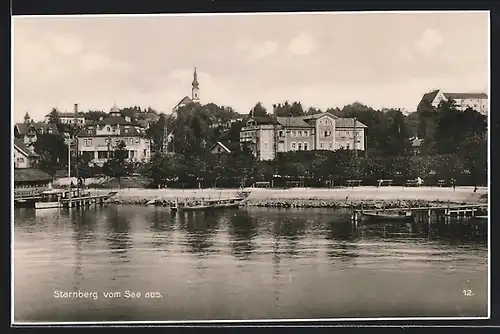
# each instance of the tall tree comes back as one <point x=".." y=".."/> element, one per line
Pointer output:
<point x="53" y="152"/>
<point x="258" y="110"/>
<point x="117" y="165"/>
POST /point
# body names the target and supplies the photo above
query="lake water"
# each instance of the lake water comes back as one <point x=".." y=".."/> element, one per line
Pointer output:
<point x="242" y="264"/>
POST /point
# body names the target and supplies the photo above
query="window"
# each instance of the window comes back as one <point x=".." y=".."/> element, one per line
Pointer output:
<point x="330" y="145"/>
<point x="293" y="146"/>
<point x="347" y="145"/>
<point x="108" y="129"/>
<point x="305" y="146"/>
<point x="281" y="133"/>
<point x="300" y="133"/>
<point x="327" y="133"/>
<point x="102" y="155"/>
<point x="300" y="146"/>
<point x="306" y="133"/>
<point x="293" y="133"/>
<point x="320" y="145"/>
<point x="132" y="154"/>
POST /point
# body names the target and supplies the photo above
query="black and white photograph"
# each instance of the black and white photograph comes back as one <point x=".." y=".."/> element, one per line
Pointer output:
<point x="250" y="167"/>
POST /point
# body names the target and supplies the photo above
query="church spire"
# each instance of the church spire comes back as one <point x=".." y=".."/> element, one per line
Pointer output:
<point x="195" y="91"/>
<point x="195" y="79"/>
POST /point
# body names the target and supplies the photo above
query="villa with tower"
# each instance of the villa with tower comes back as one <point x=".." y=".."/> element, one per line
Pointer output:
<point x="195" y="94"/>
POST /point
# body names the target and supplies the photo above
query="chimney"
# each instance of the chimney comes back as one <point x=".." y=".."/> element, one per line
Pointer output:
<point x="76" y="108"/>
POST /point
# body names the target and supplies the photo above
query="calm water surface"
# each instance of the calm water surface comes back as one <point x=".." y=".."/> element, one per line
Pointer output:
<point x="242" y="264"/>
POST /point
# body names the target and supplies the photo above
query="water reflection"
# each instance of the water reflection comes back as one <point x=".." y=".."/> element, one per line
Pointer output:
<point x="162" y="226"/>
<point x="269" y="263"/>
<point x="200" y="229"/>
<point x="118" y="236"/>
<point x="242" y="229"/>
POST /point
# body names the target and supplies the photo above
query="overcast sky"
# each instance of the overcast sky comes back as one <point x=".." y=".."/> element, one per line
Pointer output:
<point x="323" y="60"/>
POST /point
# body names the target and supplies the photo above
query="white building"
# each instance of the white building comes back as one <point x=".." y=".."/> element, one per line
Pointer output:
<point x="267" y="136"/>
<point x="74" y="117"/>
<point x="476" y="101"/>
<point x="23" y="156"/>
<point x="100" y="139"/>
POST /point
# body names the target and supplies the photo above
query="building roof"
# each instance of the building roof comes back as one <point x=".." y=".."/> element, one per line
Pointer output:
<point x="40" y="127"/>
<point x="464" y="96"/>
<point x="30" y="174"/>
<point x="293" y="122"/>
<point x="226" y="146"/>
<point x="429" y="97"/>
<point x="18" y="143"/>
<point x="416" y="142"/>
<point x="125" y="130"/>
<point x="185" y="100"/>
<point x="348" y="123"/>
<point x="304" y="121"/>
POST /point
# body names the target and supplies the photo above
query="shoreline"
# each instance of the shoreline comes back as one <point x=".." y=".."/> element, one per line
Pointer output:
<point x="368" y="197"/>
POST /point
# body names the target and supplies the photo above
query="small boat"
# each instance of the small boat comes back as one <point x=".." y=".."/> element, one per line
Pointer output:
<point x="377" y="216"/>
<point x="204" y="205"/>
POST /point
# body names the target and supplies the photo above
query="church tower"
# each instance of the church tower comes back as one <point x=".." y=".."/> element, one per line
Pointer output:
<point x="195" y="91"/>
<point x="27" y="118"/>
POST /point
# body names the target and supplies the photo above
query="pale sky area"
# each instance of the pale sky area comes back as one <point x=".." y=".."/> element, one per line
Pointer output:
<point x="323" y="60"/>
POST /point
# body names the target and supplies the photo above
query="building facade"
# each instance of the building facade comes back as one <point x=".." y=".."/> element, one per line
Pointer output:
<point x="266" y="136"/>
<point x="98" y="140"/>
<point x="476" y="101"/>
<point x="30" y="182"/>
<point x="29" y="131"/>
<point x="74" y="117"/>
<point x="24" y="157"/>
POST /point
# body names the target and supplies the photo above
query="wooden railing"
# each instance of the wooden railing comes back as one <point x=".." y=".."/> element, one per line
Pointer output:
<point x="32" y="191"/>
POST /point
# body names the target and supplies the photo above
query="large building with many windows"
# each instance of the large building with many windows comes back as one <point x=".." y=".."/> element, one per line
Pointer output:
<point x="266" y="136"/>
<point x="99" y="139"/>
<point x="476" y="101"/>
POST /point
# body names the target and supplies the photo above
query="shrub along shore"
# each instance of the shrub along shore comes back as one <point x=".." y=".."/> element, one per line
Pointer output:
<point x="368" y="197"/>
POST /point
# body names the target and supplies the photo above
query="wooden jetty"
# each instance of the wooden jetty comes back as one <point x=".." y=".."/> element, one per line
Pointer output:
<point x="421" y="213"/>
<point x="60" y="198"/>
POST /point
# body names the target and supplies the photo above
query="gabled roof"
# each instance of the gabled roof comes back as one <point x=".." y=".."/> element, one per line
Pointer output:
<point x="464" y="96"/>
<point x="416" y="142"/>
<point x="40" y="128"/>
<point x="21" y="147"/>
<point x="185" y="100"/>
<point x="228" y="147"/>
<point x="30" y="174"/>
<point x="429" y="97"/>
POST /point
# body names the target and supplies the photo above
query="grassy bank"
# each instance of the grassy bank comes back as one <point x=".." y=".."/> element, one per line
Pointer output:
<point x="310" y="197"/>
